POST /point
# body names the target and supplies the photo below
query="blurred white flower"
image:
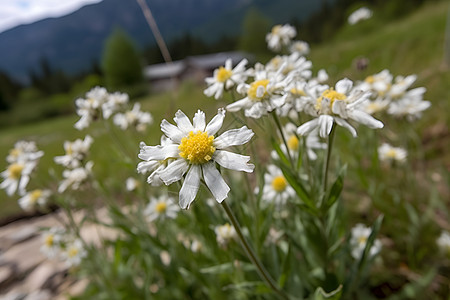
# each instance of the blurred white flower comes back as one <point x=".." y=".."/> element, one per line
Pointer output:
<point x="52" y="241"/>
<point x="196" y="246"/>
<point x="195" y="152"/>
<point x="153" y="166"/>
<point x="360" y="14"/>
<point x="280" y="36"/>
<point x="378" y="84"/>
<point x="358" y="241"/>
<point x="443" y="242"/>
<point x="75" y="177"/>
<point x="34" y="199"/>
<point x="301" y="47"/>
<point x="89" y="109"/>
<point x="114" y="102"/>
<point x="133" y="118"/>
<point x="131" y="184"/>
<point x="225" y="78"/>
<point x="76" y="152"/>
<point x="225" y="234"/>
<point x="410" y="105"/>
<point x="161" y="208"/>
<point x="73" y="253"/>
<point x="17" y="176"/>
<point x="276" y="188"/>
<point x="388" y="153"/>
<point x="24" y="151"/>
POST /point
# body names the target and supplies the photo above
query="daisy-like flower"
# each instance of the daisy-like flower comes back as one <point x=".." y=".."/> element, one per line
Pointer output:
<point x="225" y="78"/>
<point x="17" y="176"/>
<point x="131" y="184"/>
<point x="133" y="118"/>
<point x="34" y="199"/>
<point x="388" y="153"/>
<point x="300" y="47"/>
<point x="358" y="15"/>
<point x="264" y="94"/>
<point x="443" y="242"/>
<point x="52" y="242"/>
<point x="24" y="151"/>
<point x="276" y="188"/>
<point x="76" y="152"/>
<point x="161" y="208"/>
<point x="400" y="85"/>
<point x="89" y="109"/>
<point x="411" y="105"/>
<point x="73" y="253"/>
<point x="280" y="36"/>
<point x="225" y="234"/>
<point x="378" y="105"/>
<point x="358" y="242"/>
<point x="337" y="105"/>
<point x="195" y="151"/>
<point x="379" y="84"/>
<point x="153" y="166"/>
<point x="75" y="177"/>
<point x="114" y="102"/>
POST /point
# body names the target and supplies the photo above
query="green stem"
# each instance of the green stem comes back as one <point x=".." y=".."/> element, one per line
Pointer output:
<point x="277" y="121"/>
<point x="327" y="162"/>
<point x="251" y="254"/>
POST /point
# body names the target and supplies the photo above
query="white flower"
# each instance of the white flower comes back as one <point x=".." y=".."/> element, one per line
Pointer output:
<point x="358" y="241"/>
<point x="225" y="78"/>
<point x="89" y="109"/>
<point x="76" y="152"/>
<point x="360" y="14"/>
<point x="73" y="253"/>
<point x="379" y="84"/>
<point x="400" y="85"/>
<point x="443" y="242"/>
<point x="224" y="234"/>
<point x="195" y="151"/>
<point x="280" y="36"/>
<point x="335" y="106"/>
<point x="301" y="47"/>
<point x="161" y="208"/>
<point x="276" y="188"/>
<point x="411" y="105"/>
<point x="131" y="184"/>
<point x="113" y="103"/>
<point x="24" y="151"/>
<point x="33" y="199"/>
<point x="134" y="117"/>
<point x="264" y="94"/>
<point x="17" y="176"/>
<point x="196" y="246"/>
<point x="153" y="166"/>
<point x="377" y="105"/>
<point x="388" y="153"/>
<point x="52" y="242"/>
<point x="75" y="177"/>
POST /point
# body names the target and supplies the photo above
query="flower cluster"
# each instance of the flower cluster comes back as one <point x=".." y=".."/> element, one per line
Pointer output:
<point x="359" y="15"/>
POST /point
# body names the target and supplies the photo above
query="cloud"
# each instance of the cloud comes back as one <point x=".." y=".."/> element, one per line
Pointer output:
<point x="17" y="12"/>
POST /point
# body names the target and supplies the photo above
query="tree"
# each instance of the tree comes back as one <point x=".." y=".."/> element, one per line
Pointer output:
<point x="121" y="63"/>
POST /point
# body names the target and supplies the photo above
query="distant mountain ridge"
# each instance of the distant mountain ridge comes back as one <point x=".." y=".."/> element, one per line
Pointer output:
<point x="73" y="42"/>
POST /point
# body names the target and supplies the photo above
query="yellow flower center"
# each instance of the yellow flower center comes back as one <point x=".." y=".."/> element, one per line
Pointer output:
<point x="370" y="79"/>
<point x="15" y="170"/>
<point x="297" y="92"/>
<point x="69" y="150"/>
<point x="330" y="94"/>
<point x="161" y="207"/>
<point x="275" y="62"/>
<point x="223" y="74"/>
<point x="276" y="29"/>
<point x="362" y="240"/>
<point x="49" y="239"/>
<point x="292" y="143"/>
<point x="279" y="183"/>
<point x="15" y="152"/>
<point x="35" y="195"/>
<point x="73" y="251"/>
<point x="391" y="153"/>
<point x="197" y="147"/>
<point x="252" y="91"/>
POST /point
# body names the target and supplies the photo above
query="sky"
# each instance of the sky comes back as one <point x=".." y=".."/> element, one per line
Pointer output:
<point x="17" y="12"/>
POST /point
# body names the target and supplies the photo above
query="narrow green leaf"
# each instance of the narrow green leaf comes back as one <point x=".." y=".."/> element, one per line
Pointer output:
<point x="320" y="294"/>
<point x="336" y="188"/>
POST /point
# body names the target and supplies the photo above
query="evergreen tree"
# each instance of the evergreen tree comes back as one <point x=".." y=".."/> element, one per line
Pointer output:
<point x="121" y="63"/>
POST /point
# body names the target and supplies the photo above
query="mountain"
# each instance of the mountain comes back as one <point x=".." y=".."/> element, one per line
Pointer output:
<point x="74" y="42"/>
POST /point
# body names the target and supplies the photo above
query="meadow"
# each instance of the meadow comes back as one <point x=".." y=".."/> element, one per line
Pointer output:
<point x="407" y="205"/>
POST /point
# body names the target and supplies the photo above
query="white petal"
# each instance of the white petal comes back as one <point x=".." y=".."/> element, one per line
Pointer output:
<point x="183" y="122"/>
<point x="228" y="64"/>
<point x="147" y="166"/>
<point x="260" y="90"/>
<point x="174" y="171"/>
<point x="215" y="182"/>
<point x="190" y="186"/>
<point x="344" y="86"/>
<point x="325" y="125"/>
<point x="159" y="152"/>
<point x="365" y="119"/>
<point x="238" y="105"/>
<point x="307" y="127"/>
<point x="216" y="123"/>
<point x="172" y="131"/>
<point x="199" y="121"/>
<point x="347" y="126"/>
<point x="233" y="161"/>
<point x="233" y="137"/>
